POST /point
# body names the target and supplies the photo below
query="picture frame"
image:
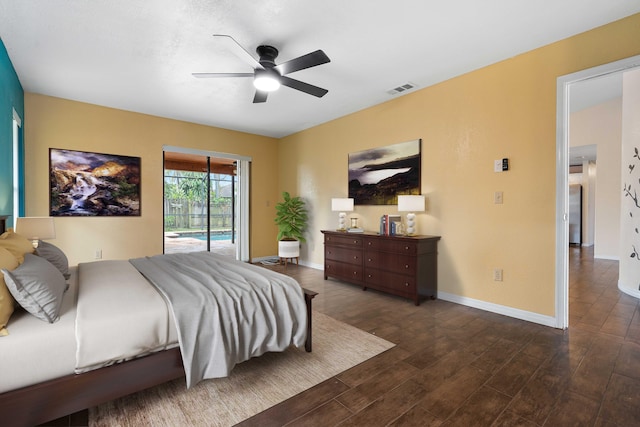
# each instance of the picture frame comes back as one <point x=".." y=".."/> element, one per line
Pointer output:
<point x="377" y="176"/>
<point x="83" y="183"/>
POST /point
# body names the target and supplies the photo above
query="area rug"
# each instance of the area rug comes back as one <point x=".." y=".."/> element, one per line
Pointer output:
<point x="252" y="387"/>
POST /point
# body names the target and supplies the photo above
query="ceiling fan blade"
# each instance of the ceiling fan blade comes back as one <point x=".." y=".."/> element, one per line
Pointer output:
<point x="305" y="61"/>
<point x="210" y="75"/>
<point x="260" y="96"/>
<point x="238" y="50"/>
<point x="302" y="86"/>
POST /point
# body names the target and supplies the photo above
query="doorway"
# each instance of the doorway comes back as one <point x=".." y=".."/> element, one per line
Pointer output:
<point x="564" y="85"/>
<point x="205" y="202"/>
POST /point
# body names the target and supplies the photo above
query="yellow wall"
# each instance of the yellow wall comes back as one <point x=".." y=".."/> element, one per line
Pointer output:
<point x="58" y="123"/>
<point x="504" y="110"/>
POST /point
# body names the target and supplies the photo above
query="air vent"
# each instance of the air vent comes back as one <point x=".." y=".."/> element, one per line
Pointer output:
<point x="402" y="88"/>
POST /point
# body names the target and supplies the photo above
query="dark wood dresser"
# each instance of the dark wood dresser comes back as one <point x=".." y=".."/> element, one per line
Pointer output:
<point x="399" y="265"/>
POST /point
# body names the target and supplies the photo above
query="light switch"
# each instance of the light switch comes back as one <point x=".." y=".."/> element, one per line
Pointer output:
<point x="497" y="165"/>
<point x="497" y="197"/>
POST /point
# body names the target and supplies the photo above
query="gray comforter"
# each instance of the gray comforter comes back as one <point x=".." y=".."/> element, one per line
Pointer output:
<point x="226" y="311"/>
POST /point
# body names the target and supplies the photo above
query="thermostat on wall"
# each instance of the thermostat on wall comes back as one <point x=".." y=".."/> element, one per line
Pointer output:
<point x="501" y="165"/>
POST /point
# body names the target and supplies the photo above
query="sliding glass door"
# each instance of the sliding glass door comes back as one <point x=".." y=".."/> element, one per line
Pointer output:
<point x="204" y="203"/>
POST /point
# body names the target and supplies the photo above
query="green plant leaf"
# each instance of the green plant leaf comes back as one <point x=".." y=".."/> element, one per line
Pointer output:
<point x="291" y="218"/>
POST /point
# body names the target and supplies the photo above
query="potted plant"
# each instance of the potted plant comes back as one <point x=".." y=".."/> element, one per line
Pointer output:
<point x="291" y="218"/>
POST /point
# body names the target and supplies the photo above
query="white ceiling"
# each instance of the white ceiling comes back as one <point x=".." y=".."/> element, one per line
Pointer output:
<point x="593" y="91"/>
<point x="139" y="55"/>
<point x="585" y="94"/>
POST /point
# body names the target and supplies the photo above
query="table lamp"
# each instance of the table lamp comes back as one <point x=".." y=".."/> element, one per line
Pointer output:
<point x="411" y="204"/>
<point x="342" y="205"/>
<point x="36" y="228"/>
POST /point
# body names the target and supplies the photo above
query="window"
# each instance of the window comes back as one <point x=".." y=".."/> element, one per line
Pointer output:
<point x="18" y="168"/>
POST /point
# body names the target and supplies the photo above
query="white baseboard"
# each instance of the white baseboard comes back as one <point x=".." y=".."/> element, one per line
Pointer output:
<point x="312" y="265"/>
<point x="628" y="289"/>
<point x="499" y="309"/>
<point x="608" y="257"/>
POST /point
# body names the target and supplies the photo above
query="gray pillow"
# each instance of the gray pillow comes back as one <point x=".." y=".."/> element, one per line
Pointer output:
<point x="37" y="286"/>
<point x="55" y="256"/>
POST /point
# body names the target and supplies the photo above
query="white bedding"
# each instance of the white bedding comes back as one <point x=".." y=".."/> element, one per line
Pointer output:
<point x="36" y="351"/>
<point x="119" y="316"/>
<point x="111" y="313"/>
<point x="124" y="317"/>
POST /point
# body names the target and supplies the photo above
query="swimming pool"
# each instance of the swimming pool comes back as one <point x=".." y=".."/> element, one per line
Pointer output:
<point x="203" y="236"/>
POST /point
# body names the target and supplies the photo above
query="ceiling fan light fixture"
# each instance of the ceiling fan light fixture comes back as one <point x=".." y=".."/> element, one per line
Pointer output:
<point x="266" y="81"/>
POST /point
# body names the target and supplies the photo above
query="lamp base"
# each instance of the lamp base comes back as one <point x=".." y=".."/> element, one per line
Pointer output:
<point x="411" y="225"/>
<point x="341" y="221"/>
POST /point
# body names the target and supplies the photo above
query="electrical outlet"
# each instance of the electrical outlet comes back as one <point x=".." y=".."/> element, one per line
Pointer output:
<point x="497" y="274"/>
<point x="497" y="197"/>
<point x="98" y="254"/>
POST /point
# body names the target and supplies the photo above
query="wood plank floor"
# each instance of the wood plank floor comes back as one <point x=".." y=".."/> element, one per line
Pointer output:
<point x="459" y="366"/>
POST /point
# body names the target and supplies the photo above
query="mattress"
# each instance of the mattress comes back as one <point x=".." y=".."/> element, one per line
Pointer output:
<point x="109" y="314"/>
<point x="119" y="316"/>
<point x="36" y="351"/>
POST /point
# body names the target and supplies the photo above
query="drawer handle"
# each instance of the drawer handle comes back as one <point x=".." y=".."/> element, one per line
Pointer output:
<point x="406" y="266"/>
<point x="369" y="243"/>
<point x="355" y="257"/>
<point x="369" y="259"/>
<point x="369" y="276"/>
<point x="406" y="248"/>
<point x="355" y="241"/>
<point x="406" y="284"/>
<point x="355" y="273"/>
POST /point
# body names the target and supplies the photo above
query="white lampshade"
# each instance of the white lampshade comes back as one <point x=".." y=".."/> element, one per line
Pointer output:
<point x="36" y="228"/>
<point x="341" y="205"/>
<point x="411" y="203"/>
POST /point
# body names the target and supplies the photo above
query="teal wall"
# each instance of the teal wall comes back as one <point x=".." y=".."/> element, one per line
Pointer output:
<point x="11" y="98"/>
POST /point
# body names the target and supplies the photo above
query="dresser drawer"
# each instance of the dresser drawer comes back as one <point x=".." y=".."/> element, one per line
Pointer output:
<point x="343" y="240"/>
<point x="399" y="263"/>
<point x="404" y="247"/>
<point x="391" y="282"/>
<point x="341" y="270"/>
<point x="346" y="255"/>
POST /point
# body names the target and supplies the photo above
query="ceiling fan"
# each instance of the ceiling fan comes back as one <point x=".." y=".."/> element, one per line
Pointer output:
<point x="268" y="76"/>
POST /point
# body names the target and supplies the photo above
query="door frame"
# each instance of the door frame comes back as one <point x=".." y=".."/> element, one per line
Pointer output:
<point x="242" y="201"/>
<point x="563" y="93"/>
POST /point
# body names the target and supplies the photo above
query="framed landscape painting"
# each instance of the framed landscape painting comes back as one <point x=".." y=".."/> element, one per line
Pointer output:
<point x="93" y="184"/>
<point x="379" y="175"/>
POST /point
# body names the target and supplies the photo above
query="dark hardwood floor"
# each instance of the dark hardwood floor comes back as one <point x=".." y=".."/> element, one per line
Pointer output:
<point x="458" y="366"/>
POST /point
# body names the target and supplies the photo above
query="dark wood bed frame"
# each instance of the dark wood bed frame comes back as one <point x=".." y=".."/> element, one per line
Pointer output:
<point x="39" y="403"/>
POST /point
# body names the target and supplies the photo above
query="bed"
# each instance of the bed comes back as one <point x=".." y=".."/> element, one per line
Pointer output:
<point x="101" y="348"/>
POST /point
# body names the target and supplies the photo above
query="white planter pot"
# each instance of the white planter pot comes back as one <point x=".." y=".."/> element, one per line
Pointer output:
<point x="288" y="249"/>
